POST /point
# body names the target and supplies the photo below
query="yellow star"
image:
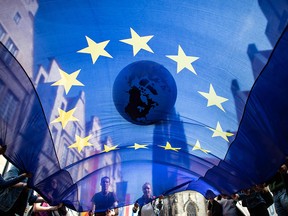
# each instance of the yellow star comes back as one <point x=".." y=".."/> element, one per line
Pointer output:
<point x="213" y="98"/>
<point x="95" y="49"/>
<point x="219" y="132"/>
<point x="68" y="80"/>
<point x="197" y="146"/>
<point x="109" y="148"/>
<point x="65" y="117"/>
<point x="183" y="61"/>
<point x="138" y="146"/>
<point x="169" y="147"/>
<point x="81" y="143"/>
<point x="138" y="42"/>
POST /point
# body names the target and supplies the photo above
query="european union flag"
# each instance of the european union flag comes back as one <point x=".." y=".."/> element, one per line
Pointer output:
<point x="185" y="95"/>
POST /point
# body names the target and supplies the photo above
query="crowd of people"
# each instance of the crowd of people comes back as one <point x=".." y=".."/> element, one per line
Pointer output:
<point x="257" y="199"/>
<point x="15" y="195"/>
<point x="105" y="202"/>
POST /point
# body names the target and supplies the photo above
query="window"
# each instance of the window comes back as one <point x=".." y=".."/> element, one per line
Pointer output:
<point x="1" y="86"/>
<point x="29" y="1"/>
<point x="70" y="158"/>
<point x="191" y="210"/>
<point x="79" y="132"/>
<point x="17" y="18"/>
<point x="73" y="129"/>
<point x="7" y="57"/>
<point x="8" y="106"/>
<point x="11" y="47"/>
<point x="2" y="32"/>
<point x="54" y="133"/>
<point x="62" y="106"/>
<point x="64" y="155"/>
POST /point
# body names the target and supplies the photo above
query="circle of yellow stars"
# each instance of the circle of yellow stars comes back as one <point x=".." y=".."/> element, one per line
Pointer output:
<point x="138" y="43"/>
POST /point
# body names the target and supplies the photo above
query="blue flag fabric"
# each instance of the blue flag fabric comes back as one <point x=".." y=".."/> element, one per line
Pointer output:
<point x="185" y="95"/>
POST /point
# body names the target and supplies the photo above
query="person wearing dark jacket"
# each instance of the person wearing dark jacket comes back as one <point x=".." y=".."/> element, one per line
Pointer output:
<point x="214" y="207"/>
<point x="254" y="202"/>
<point x="7" y="185"/>
<point x="278" y="185"/>
<point x="11" y="182"/>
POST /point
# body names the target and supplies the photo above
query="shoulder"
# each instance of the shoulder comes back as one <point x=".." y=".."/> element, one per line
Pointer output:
<point x="96" y="195"/>
<point x="140" y="199"/>
<point x="112" y="194"/>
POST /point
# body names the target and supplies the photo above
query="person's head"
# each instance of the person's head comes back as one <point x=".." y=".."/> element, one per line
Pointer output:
<point x="105" y="182"/>
<point x="54" y="184"/>
<point x="246" y="191"/>
<point x="3" y="149"/>
<point x="210" y="195"/>
<point x="146" y="188"/>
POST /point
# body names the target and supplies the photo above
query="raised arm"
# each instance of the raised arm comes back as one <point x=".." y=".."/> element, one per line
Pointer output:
<point x="13" y="182"/>
<point x="37" y="207"/>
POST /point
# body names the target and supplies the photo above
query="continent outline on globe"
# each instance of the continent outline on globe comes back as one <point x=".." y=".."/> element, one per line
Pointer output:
<point x="144" y="92"/>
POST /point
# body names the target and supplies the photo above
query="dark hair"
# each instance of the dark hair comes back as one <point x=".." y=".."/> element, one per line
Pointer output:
<point x="210" y="194"/>
<point x="62" y="210"/>
<point x="105" y="177"/>
<point x="146" y="183"/>
<point x="3" y="146"/>
<point x="3" y="149"/>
